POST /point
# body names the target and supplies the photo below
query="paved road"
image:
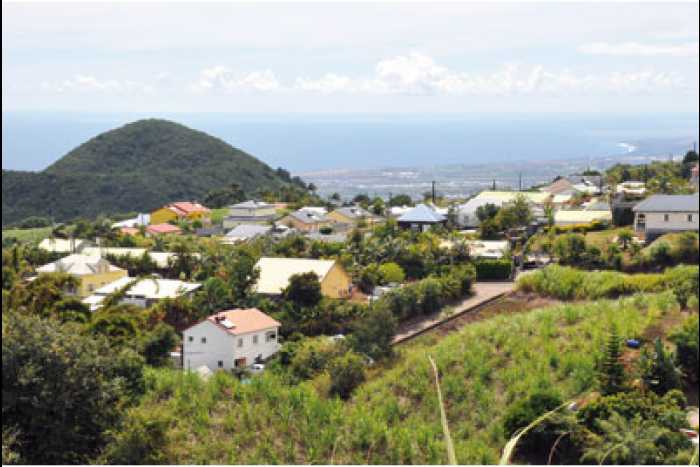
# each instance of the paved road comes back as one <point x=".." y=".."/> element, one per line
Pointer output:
<point x="483" y="291"/>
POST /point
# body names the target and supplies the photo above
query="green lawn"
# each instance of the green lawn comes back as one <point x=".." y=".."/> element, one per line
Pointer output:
<point x="27" y="235"/>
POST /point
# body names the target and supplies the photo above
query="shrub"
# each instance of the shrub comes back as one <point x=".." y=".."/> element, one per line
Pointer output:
<point x="525" y="411"/>
<point x="493" y="269"/>
<point x="391" y="273"/>
<point x="346" y="373"/>
<point x="686" y="340"/>
<point x="658" y="369"/>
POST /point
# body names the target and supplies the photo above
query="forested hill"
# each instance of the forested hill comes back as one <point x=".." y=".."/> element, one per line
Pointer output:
<point x="137" y="167"/>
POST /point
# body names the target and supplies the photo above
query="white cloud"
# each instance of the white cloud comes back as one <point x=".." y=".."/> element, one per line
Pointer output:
<point x="689" y="49"/>
<point x="90" y="83"/>
<point x="222" y="78"/>
<point x="418" y="74"/>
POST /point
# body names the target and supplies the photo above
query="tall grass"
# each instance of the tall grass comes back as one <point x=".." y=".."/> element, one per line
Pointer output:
<point x="567" y="283"/>
<point x="394" y="418"/>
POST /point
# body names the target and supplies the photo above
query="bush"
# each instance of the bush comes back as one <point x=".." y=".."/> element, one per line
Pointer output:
<point x="525" y="411"/>
<point x="686" y="340"/>
<point x="493" y="269"/>
<point x="346" y="373"/>
<point x="391" y="273"/>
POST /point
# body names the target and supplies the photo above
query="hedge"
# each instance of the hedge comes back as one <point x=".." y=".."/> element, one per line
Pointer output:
<point x="493" y="269"/>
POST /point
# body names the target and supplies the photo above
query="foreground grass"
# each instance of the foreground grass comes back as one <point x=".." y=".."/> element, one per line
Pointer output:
<point x="394" y="418"/>
<point x="27" y="235"/>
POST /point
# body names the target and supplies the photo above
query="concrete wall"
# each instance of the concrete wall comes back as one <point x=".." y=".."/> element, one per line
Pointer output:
<point x="657" y="223"/>
<point x="336" y="283"/>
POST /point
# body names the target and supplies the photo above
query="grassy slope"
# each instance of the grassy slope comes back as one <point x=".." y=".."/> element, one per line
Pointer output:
<point x="394" y="418"/>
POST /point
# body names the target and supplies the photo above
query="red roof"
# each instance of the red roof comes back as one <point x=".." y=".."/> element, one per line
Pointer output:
<point x="163" y="229"/>
<point x="243" y="321"/>
<point x="183" y="208"/>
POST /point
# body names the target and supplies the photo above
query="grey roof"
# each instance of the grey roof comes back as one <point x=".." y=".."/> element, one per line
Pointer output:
<point x="248" y="231"/>
<point x="308" y="217"/>
<point x="355" y="212"/>
<point x="251" y="204"/>
<point x="422" y="214"/>
<point x="209" y="231"/>
<point x="592" y="179"/>
<point x="669" y="203"/>
<point x="598" y="206"/>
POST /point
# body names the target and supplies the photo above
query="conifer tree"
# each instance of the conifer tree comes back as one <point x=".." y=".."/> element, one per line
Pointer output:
<point x="612" y="371"/>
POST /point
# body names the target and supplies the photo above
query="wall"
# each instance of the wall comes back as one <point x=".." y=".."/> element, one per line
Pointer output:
<point x="92" y="282"/>
<point x="162" y="216"/>
<point x="336" y="283"/>
<point x="677" y="222"/>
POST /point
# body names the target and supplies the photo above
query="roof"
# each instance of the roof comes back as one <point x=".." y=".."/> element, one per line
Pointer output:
<point x="309" y="216"/>
<point x="183" y="208"/>
<point x="247" y="231"/>
<point x="558" y="186"/>
<point x="422" y="213"/>
<point x="62" y="245"/>
<point x="141" y="219"/>
<point x="251" y="204"/>
<point x="355" y="212"/>
<point x="669" y="203"/>
<point x="276" y="272"/>
<point x="79" y="265"/>
<point x="474" y="203"/>
<point x="243" y="321"/>
<point x="536" y="197"/>
<point x="150" y="288"/>
<point x="163" y="229"/>
<point x="210" y="231"/>
<point x="580" y="216"/>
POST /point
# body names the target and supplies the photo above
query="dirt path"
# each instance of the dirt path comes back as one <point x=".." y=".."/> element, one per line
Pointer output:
<point x="483" y="292"/>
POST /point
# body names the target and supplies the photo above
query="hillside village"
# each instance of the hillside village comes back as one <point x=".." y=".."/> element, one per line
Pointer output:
<point x="339" y="301"/>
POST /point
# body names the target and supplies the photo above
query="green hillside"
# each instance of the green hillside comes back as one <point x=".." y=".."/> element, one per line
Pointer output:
<point x="487" y="368"/>
<point x="137" y="167"/>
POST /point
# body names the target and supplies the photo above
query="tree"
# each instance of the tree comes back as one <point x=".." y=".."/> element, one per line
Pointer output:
<point x="157" y="344"/>
<point x="525" y="411"/>
<point x="391" y="273"/>
<point x="62" y="390"/>
<point x="687" y="344"/>
<point x="304" y="290"/>
<point x="373" y="334"/>
<point x="612" y="371"/>
<point x="625" y="237"/>
<point x="224" y="196"/>
<point x="658" y="369"/>
<point x="570" y="248"/>
<point x="486" y="211"/>
<point x="400" y="200"/>
<point x="346" y="373"/>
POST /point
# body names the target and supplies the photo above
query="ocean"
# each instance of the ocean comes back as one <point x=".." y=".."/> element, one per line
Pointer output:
<point x="311" y="144"/>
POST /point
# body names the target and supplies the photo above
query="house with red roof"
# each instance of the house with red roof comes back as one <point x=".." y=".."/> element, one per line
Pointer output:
<point x="162" y="229"/>
<point x="229" y="340"/>
<point x="181" y="210"/>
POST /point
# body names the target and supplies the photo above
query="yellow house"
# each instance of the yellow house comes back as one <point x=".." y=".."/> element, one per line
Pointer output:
<point x="276" y="272"/>
<point x="307" y="220"/>
<point x="354" y="215"/>
<point x="182" y="210"/>
<point x="93" y="271"/>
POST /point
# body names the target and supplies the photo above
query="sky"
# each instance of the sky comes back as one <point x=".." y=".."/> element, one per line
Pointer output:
<point x="345" y="58"/>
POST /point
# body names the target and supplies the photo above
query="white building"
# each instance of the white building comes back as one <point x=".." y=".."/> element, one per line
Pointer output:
<point x="63" y="245"/>
<point x="661" y="214"/>
<point x="249" y="212"/>
<point x="134" y="222"/>
<point x="230" y="339"/>
<point x="143" y="292"/>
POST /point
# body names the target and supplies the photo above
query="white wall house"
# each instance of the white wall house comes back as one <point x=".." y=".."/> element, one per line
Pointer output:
<point x="255" y="212"/>
<point x="142" y="292"/>
<point x="230" y="339"/>
<point x="661" y="214"/>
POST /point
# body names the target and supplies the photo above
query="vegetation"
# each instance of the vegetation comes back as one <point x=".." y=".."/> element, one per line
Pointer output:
<point x="487" y="370"/>
<point x="139" y="166"/>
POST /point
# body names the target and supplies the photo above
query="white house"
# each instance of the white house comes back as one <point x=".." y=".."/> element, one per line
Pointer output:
<point x="661" y="214"/>
<point x="63" y="245"/>
<point x="230" y="339"/>
<point x="143" y="292"/>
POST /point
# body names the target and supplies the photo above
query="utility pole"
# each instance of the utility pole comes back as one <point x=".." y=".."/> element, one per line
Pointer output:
<point x="493" y="186"/>
<point x="520" y="181"/>
<point x="433" y="192"/>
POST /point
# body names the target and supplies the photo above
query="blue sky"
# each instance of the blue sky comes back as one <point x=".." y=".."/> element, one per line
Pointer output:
<point x="342" y="58"/>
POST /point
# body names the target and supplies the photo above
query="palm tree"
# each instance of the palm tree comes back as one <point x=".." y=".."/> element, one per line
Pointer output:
<point x="625" y="237"/>
<point x="624" y="441"/>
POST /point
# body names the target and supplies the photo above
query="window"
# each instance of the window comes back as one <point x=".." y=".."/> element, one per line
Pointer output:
<point x="190" y="338"/>
<point x="255" y="339"/>
<point x="270" y="337"/>
<point x="666" y="217"/>
<point x="204" y="340"/>
<point x="240" y="342"/>
<point x="221" y="363"/>
<point x="690" y="218"/>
